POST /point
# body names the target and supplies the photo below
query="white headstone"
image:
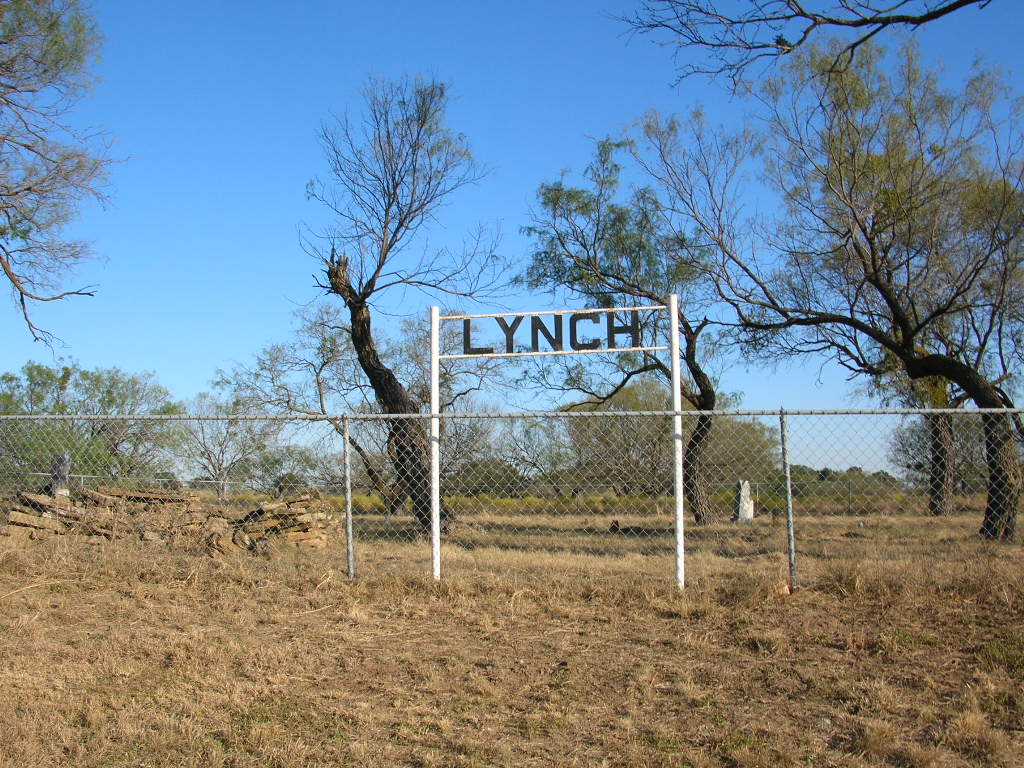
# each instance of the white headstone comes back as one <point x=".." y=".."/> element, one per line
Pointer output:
<point x="60" y="473"/>
<point x="744" y="512"/>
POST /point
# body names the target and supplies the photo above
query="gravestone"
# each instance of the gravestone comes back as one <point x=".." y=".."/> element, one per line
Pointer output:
<point x="60" y="475"/>
<point x="743" y="511"/>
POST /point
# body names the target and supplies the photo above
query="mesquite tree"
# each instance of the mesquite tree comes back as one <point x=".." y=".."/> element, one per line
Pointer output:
<point x="720" y="37"/>
<point x="47" y="165"/>
<point x="390" y="173"/>
<point x="900" y="240"/>
<point x="615" y="250"/>
<point x="128" y="446"/>
<point x="224" y="443"/>
<point x="316" y="373"/>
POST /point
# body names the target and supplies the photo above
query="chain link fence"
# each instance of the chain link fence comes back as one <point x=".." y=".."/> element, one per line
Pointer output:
<point x="787" y="495"/>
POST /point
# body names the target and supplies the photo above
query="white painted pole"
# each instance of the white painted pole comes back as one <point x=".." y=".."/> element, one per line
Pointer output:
<point x="790" y="533"/>
<point x="677" y="438"/>
<point x="350" y="545"/>
<point x="435" y="442"/>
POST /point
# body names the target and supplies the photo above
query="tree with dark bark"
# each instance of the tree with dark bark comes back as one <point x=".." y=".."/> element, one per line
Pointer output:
<point x="936" y="443"/>
<point x="900" y="245"/>
<point x="390" y="174"/>
<point x="47" y="166"/>
<point x="960" y="469"/>
<point x="728" y="40"/>
<point x="316" y="373"/>
<point x="615" y="253"/>
<point x="942" y="475"/>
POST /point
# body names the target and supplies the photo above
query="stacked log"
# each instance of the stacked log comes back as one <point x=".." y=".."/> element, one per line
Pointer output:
<point x="175" y="518"/>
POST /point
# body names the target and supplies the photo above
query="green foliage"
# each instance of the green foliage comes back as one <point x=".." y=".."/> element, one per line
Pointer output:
<point x="47" y="41"/>
<point x="289" y="482"/>
<point x="839" y="485"/>
<point x="47" y="166"/>
<point x="98" y="446"/>
<point x="490" y="476"/>
<point x="905" y="205"/>
<point x="590" y="242"/>
<point x="1006" y="653"/>
<point x="58" y="36"/>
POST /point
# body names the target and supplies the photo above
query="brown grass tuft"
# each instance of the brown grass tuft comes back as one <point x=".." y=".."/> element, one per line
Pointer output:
<point x="971" y="735"/>
<point x="13" y="562"/>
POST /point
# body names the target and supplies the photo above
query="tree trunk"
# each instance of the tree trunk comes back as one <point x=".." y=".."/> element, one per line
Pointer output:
<point x="409" y="448"/>
<point x="392" y="496"/>
<point x="408" y="440"/>
<point x="695" y="483"/>
<point x="1005" y="487"/>
<point x="941" y="464"/>
<point x="1004" y="478"/>
<point x="695" y="478"/>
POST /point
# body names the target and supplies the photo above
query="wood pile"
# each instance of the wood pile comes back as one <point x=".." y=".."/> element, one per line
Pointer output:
<point x="176" y="518"/>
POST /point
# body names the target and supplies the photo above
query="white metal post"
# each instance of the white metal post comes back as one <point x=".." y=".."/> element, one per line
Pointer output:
<point x="790" y="533"/>
<point x="677" y="438"/>
<point x="350" y="546"/>
<point x="435" y="442"/>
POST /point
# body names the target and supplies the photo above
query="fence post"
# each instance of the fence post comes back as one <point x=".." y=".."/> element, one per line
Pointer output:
<point x="350" y="546"/>
<point x="677" y="440"/>
<point x="790" y="533"/>
<point x="435" y="443"/>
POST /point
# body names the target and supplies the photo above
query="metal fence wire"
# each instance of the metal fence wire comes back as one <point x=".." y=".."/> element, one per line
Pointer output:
<point x="591" y="492"/>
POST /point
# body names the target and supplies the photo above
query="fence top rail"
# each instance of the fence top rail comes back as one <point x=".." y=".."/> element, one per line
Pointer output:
<point x="592" y="311"/>
<point x="337" y="417"/>
<point x="693" y="414"/>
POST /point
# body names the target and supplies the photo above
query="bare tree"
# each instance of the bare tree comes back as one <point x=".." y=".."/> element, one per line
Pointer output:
<point x="317" y="373"/>
<point x="540" y="452"/>
<point x="222" y="443"/>
<point x="900" y="246"/>
<point x="391" y="172"/>
<point x="728" y="40"/>
<point x="47" y="167"/>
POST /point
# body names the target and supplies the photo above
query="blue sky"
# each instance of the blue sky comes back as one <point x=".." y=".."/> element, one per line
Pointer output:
<point x="213" y="109"/>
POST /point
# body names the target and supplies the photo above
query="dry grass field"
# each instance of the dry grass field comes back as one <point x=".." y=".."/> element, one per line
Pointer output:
<point x="904" y="647"/>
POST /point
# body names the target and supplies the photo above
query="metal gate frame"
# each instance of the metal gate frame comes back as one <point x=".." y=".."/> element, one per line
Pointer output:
<point x="435" y="407"/>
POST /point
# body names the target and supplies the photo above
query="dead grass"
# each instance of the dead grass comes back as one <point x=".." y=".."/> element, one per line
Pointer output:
<point x="134" y="655"/>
